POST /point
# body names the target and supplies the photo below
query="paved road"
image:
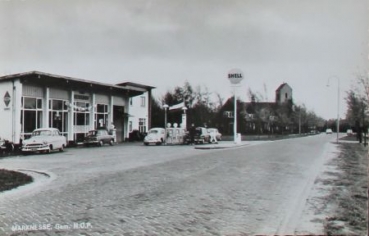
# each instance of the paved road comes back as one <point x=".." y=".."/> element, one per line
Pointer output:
<point x="165" y="190"/>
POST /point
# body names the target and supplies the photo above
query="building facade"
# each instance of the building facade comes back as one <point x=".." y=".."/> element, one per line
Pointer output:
<point x="74" y="106"/>
<point x="138" y="118"/>
<point x="257" y="117"/>
<point x="283" y="93"/>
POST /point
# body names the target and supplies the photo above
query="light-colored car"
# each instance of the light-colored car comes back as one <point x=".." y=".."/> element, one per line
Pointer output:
<point x="155" y="135"/>
<point x="349" y="132"/>
<point x="328" y="131"/>
<point x="44" y="140"/>
<point x="217" y="134"/>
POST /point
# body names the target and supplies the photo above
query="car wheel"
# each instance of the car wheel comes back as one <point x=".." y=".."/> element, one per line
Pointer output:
<point x="62" y="148"/>
<point x="147" y="144"/>
<point x="101" y="143"/>
<point x="111" y="142"/>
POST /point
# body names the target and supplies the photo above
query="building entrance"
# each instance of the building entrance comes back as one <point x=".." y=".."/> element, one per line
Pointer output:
<point x="118" y="120"/>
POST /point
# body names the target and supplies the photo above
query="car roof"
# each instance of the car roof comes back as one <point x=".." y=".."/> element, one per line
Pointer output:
<point x="51" y="129"/>
<point x="156" y="128"/>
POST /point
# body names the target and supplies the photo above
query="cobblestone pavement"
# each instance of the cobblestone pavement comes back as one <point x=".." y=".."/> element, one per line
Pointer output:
<point x="163" y="190"/>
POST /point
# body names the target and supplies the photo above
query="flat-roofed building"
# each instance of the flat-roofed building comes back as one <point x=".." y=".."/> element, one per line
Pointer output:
<point x="38" y="100"/>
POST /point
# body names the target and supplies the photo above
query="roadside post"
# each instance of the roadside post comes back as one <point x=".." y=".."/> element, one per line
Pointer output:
<point x="165" y="106"/>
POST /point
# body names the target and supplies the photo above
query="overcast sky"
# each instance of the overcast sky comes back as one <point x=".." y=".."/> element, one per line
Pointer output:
<point x="164" y="43"/>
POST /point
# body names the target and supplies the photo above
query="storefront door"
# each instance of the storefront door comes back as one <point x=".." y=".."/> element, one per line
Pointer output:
<point x="118" y="120"/>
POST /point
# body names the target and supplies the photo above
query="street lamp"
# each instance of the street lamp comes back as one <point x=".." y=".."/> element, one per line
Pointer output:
<point x="235" y="76"/>
<point x="338" y="102"/>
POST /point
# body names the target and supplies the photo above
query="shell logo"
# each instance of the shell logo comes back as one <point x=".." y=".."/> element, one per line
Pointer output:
<point x="7" y="99"/>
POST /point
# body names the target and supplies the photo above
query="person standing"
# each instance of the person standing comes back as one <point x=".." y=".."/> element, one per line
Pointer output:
<point x="213" y="137"/>
<point x="113" y="131"/>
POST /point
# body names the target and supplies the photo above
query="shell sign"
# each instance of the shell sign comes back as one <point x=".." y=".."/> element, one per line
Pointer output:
<point x="235" y="76"/>
<point x="7" y="99"/>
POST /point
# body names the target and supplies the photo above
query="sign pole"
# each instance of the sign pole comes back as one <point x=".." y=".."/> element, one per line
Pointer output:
<point x="235" y="76"/>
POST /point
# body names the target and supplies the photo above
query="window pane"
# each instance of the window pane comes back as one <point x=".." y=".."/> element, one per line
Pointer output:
<point x="39" y="119"/>
<point x="50" y="119"/>
<point x="100" y="120"/>
<point x="65" y="105"/>
<point x="82" y="119"/>
<point x="101" y="108"/>
<point x="39" y="103"/>
<point x="65" y="122"/>
<point x="57" y="105"/>
<point x="29" y="121"/>
<point x="30" y="103"/>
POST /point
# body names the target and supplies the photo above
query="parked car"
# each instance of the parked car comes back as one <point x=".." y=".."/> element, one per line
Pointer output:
<point x="44" y="140"/>
<point x="328" y="131"/>
<point x="136" y="135"/>
<point x="201" y="136"/>
<point x="98" y="137"/>
<point x="349" y="132"/>
<point x="155" y="135"/>
<point x="217" y="134"/>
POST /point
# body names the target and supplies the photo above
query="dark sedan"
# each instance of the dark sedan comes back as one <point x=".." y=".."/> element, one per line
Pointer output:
<point x="98" y="137"/>
<point x="201" y="136"/>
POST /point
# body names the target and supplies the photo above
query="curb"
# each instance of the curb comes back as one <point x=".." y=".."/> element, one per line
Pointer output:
<point x="220" y="146"/>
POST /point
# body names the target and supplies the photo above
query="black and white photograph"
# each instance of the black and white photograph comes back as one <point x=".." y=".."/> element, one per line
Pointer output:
<point x="184" y="117"/>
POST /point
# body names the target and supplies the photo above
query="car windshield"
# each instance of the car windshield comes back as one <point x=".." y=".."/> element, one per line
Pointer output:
<point x="92" y="132"/>
<point x="42" y="133"/>
<point x="154" y="131"/>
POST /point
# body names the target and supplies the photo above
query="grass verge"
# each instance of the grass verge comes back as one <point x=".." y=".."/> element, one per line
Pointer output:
<point x="349" y="192"/>
<point x="11" y="179"/>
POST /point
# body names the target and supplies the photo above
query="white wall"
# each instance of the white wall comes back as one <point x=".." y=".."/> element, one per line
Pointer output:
<point x="10" y="126"/>
<point x="284" y="90"/>
<point x="6" y="111"/>
<point x="137" y="111"/>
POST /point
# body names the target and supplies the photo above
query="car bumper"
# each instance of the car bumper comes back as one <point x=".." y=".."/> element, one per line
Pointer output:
<point x="152" y="141"/>
<point x="34" y="149"/>
<point x="91" y="142"/>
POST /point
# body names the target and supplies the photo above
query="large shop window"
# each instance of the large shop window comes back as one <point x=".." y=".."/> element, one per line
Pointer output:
<point x="58" y="115"/>
<point x="31" y="114"/>
<point x="81" y="116"/>
<point x="101" y="116"/>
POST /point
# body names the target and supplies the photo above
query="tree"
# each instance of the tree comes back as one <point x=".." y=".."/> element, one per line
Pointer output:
<point x="200" y="108"/>
<point x="357" y="104"/>
<point x="357" y="108"/>
<point x="157" y="113"/>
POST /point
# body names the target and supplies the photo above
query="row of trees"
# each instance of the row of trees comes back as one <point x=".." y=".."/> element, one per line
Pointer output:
<point x="357" y="104"/>
<point x="257" y="117"/>
<point x="199" y="102"/>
